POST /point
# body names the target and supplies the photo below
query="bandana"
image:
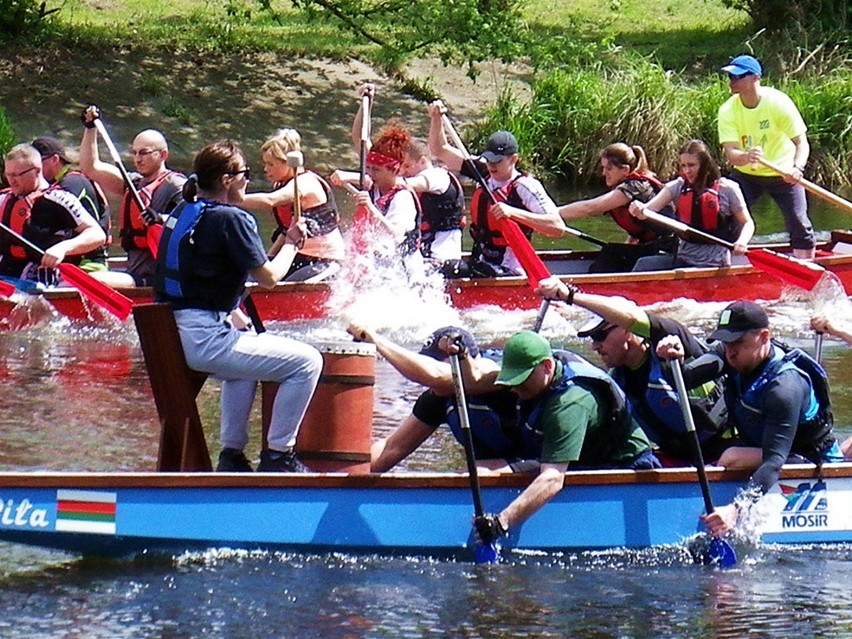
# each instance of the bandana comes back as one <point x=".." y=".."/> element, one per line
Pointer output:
<point x="377" y="159"/>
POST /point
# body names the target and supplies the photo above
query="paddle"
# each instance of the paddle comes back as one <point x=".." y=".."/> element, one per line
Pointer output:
<point x="295" y="160"/>
<point x="817" y="190"/>
<point x="793" y="271"/>
<point x="154" y="231"/>
<point x="539" y="318"/>
<point x="483" y="553"/>
<point x="719" y="551"/>
<point x="6" y="289"/>
<point x="254" y="315"/>
<point x="530" y="261"/>
<point x="818" y="339"/>
<point x="98" y="292"/>
<point x="365" y="139"/>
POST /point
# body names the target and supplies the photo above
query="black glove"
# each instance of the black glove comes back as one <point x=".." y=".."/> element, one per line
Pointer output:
<point x="151" y="216"/>
<point x="489" y="528"/>
<point x="89" y="124"/>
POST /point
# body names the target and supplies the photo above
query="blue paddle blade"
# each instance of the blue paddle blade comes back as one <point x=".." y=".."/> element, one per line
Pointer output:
<point x="485" y="553"/>
<point x="720" y="553"/>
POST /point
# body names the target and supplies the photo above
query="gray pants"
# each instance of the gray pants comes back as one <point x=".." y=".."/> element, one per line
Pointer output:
<point x="240" y="360"/>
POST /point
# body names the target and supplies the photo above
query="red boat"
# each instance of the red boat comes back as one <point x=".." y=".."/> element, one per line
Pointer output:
<point x="289" y="301"/>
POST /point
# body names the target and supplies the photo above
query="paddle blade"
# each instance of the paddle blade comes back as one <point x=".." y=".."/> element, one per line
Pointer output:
<point x="529" y="259"/>
<point x="485" y="553"/>
<point x="152" y="238"/>
<point x="98" y="292"/>
<point x="720" y="553"/>
<point x="797" y="272"/>
<point x="6" y="289"/>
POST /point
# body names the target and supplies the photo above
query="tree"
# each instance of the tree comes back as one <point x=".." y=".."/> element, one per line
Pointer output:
<point x="826" y="16"/>
<point x="458" y="31"/>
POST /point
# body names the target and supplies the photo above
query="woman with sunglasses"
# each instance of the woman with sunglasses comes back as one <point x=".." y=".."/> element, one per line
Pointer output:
<point x="625" y="337"/>
<point x="706" y="201"/>
<point x="323" y="250"/>
<point x="627" y="175"/>
<point x="208" y="250"/>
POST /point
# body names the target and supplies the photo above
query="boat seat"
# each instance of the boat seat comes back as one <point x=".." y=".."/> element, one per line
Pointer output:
<point x="183" y="446"/>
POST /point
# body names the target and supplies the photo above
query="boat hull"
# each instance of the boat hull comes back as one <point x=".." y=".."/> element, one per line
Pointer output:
<point x="299" y="301"/>
<point x="126" y="513"/>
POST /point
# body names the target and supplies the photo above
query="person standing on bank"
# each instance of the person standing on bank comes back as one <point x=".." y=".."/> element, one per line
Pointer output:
<point x="159" y="188"/>
<point x="208" y="249"/>
<point x="759" y="122"/>
<point x="571" y="412"/>
<point x="777" y="400"/>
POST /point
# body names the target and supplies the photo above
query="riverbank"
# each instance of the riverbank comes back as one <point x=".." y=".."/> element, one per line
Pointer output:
<point x="196" y="99"/>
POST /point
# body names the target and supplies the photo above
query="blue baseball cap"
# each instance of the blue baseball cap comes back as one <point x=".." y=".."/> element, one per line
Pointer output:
<point x="743" y="64"/>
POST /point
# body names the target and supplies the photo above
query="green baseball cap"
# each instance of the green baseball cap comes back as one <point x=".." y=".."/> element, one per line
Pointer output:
<point x="521" y="354"/>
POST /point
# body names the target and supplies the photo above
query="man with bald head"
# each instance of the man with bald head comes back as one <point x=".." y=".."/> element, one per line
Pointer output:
<point x="159" y="188"/>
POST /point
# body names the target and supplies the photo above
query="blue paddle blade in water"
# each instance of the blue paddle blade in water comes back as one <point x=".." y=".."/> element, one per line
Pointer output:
<point x="720" y="553"/>
<point x="485" y="553"/>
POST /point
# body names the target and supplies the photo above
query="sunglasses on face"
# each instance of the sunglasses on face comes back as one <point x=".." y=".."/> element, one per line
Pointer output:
<point x="737" y="76"/>
<point x="245" y="172"/>
<point x="601" y="334"/>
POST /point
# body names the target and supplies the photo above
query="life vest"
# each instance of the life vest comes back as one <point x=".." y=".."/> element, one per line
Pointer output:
<point x="99" y="206"/>
<point x="442" y="211"/>
<point x="659" y="414"/>
<point x="175" y="243"/>
<point x="489" y="243"/>
<point x="814" y="432"/>
<point x="320" y="220"/>
<point x="134" y="231"/>
<point x="411" y="242"/>
<point x="701" y="210"/>
<point x="494" y="436"/>
<point x="617" y="422"/>
<point x="16" y="215"/>
<point x="642" y="231"/>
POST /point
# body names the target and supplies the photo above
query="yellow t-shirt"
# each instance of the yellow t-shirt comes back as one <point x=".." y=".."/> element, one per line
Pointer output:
<point x="771" y="125"/>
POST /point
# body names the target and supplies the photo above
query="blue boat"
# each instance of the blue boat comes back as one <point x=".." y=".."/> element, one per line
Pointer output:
<point x="128" y="513"/>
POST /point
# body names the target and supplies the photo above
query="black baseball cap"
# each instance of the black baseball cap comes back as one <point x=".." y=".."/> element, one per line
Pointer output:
<point x="738" y="319"/>
<point x="500" y="145"/>
<point x="430" y="346"/>
<point x="593" y="326"/>
<point x="50" y="146"/>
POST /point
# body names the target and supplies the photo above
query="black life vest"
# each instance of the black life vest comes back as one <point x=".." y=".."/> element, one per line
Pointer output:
<point x="443" y="211"/>
<point x="320" y="220"/>
<point x="411" y="242"/>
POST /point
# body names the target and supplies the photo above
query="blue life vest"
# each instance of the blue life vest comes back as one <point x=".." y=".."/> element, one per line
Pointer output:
<point x="658" y="411"/>
<point x="178" y="228"/>
<point x="494" y="436"/>
<point x="617" y="420"/>
<point x="813" y="434"/>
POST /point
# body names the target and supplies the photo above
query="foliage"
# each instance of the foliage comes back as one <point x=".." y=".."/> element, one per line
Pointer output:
<point x="7" y="134"/>
<point x="19" y="18"/>
<point x="457" y="31"/>
<point x="825" y="16"/>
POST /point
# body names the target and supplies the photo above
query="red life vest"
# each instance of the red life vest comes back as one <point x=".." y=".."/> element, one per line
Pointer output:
<point x="641" y="230"/>
<point x="320" y="220"/>
<point x="133" y="230"/>
<point x="15" y="215"/>
<point x="483" y="226"/>
<point x="702" y="211"/>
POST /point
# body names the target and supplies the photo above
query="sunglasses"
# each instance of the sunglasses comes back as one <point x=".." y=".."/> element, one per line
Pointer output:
<point x="737" y="76"/>
<point x="245" y="172"/>
<point x="601" y="334"/>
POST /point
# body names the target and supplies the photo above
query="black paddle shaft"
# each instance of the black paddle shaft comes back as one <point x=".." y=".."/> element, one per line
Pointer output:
<point x="467" y="438"/>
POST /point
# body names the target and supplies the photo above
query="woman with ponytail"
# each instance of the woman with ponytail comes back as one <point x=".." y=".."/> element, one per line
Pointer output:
<point x="625" y="170"/>
<point x="209" y="248"/>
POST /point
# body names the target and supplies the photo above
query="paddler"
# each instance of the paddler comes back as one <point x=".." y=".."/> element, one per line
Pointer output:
<point x="777" y="400"/>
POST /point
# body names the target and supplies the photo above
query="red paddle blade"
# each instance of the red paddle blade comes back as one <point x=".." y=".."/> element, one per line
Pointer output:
<point x="152" y="238"/>
<point x="535" y="268"/>
<point x="98" y="292"/>
<point x="793" y="271"/>
<point x="6" y="289"/>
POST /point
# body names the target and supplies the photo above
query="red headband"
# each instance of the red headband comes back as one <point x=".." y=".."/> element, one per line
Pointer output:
<point x="377" y="159"/>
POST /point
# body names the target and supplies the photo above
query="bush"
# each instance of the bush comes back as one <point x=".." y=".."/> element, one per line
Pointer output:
<point x="22" y="18"/>
<point x="7" y="135"/>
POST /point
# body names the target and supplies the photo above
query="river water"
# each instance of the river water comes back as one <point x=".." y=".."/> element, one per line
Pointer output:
<point x="76" y="397"/>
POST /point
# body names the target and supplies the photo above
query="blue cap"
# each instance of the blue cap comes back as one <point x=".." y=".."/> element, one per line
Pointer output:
<point x="743" y="64"/>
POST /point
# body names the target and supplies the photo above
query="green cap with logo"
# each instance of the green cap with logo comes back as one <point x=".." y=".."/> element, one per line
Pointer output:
<point x="521" y="354"/>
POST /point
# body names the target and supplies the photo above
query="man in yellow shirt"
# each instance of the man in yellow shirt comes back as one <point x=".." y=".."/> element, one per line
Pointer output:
<point x="759" y="122"/>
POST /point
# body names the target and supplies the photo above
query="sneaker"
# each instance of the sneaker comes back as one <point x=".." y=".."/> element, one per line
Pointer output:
<point x="232" y="460"/>
<point x="275" y="461"/>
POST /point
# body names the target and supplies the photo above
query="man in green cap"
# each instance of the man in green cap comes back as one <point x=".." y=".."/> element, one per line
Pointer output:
<point x="571" y="413"/>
